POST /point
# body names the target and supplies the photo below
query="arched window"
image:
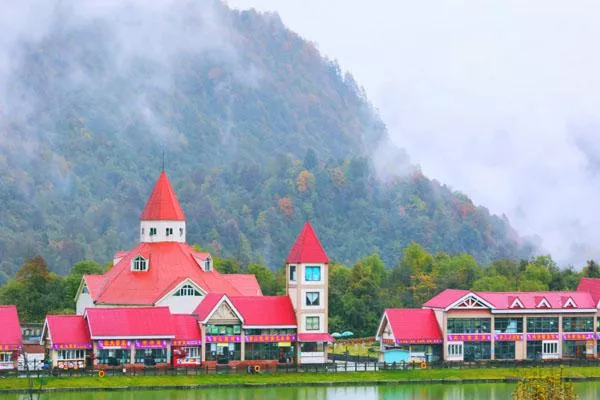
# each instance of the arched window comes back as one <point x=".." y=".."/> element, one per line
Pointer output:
<point x="139" y="263"/>
<point x="187" y="290"/>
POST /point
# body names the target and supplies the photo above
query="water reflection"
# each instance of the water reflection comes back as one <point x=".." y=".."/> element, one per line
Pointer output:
<point x="586" y="391"/>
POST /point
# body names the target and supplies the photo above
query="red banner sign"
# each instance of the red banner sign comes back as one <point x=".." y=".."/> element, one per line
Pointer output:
<point x="269" y="338"/>
<point x="508" y="337"/>
<point x="195" y="342"/>
<point x="223" y="339"/>
<point x="65" y="346"/>
<point x="114" y="344"/>
<point x="470" y="337"/>
<point x="150" y="344"/>
<point x="9" y="347"/>
<point x="418" y="341"/>
<point x="542" y="336"/>
<point x="578" y="336"/>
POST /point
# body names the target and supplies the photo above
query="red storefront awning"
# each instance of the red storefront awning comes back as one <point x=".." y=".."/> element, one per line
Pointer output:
<point x="315" y="337"/>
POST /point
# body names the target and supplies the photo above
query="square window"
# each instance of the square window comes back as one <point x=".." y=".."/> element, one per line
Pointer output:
<point x="313" y="299"/>
<point x="312" y="274"/>
<point x="312" y="323"/>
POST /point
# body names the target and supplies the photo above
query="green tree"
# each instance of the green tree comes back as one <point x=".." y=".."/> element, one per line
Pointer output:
<point x="73" y="280"/>
<point x="591" y="269"/>
<point x="493" y="283"/>
<point x="34" y="291"/>
<point x="266" y="279"/>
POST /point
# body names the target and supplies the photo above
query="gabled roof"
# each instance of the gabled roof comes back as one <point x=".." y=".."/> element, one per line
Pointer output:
<point x="170" y="263"/>
<point x="265" y="310"/>
<point x="504" y="300"/>
<point x="592" y="286"/>
<point x="445" y="298"/>
<point x="246" y="284"/>
<point x="413" y="324"/>
<point x="10" y="333"/>
<point x="207" y="305"/>
<point x="186" y="327"/>
<point x="94" y="284"/>
<point x="127" y="322"/>
<point x="307" y="247"/>
<point x="67" y="329"/>
<point x="162" y="204"/>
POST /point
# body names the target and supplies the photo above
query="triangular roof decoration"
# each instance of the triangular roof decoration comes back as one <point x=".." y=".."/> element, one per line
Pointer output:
<point x="162" y="204"/>
<point x="515" y="302"/>
<point x="568" y="302"/>
<point x="541" y="302"/>
<point x="470" y="301"/>
<point x="307" y="247"/>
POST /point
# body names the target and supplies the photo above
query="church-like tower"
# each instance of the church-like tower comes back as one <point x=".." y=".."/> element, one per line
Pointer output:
<point x="163" y="219"/>
<point x="307" y="287"/>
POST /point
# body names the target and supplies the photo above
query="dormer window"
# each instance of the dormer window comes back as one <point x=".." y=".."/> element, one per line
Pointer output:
<point x="180" y="231"/>
<point x="187" y="290"/>
<point x="84" y="290"/>
<point x="139" y="263"/>
<point x="207" y="265"/>
<point x="152" y="231"/>
<point x="169" y="231"/>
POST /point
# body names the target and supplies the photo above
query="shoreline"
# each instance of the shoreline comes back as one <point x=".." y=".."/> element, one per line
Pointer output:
<point x="378" y="378"/>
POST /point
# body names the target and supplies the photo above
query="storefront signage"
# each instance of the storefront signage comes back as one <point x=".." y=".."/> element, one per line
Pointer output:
<point x="63" y="346"/>
<point x="578" y="336"/>
<point x="418" y="341"/>
<point x="196" y="342"/>
<point x="224" y="339"/>
<point x="542" y="336"/>
<point x="150" y="344"/>
<point x="388" y="341"/>
<point x="9" y="347"/>
<point x="269" y="338"/>
<point x="469" y="338"/>
<point x="508" y="337"/>
<point x="114" y="344"/>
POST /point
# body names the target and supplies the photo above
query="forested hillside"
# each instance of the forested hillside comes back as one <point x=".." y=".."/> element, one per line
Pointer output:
<point x="259" y="132"/>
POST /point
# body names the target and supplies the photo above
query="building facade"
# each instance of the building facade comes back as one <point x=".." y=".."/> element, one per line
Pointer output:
<point x="11" y="340"/>
<point x="504" y="325"/>
<point x="199" y="316"/>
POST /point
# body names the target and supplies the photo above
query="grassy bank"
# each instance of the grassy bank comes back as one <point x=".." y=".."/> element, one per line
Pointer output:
<point x="295" y="378"/>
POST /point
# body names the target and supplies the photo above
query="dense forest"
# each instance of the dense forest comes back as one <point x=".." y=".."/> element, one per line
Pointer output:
<point x="357" y="294"/>
<point x="259" y="131"/>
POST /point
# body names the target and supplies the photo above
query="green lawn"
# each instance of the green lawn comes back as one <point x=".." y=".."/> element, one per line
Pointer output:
<point x="297" y="378"/>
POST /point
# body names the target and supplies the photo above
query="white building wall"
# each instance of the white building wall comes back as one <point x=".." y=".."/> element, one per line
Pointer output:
<point x="181" y="304"/>
<point x="83" y="301"/>
<point x="179" y="231"/>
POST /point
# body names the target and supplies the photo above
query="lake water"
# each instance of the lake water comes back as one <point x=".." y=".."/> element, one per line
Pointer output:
<point x="487" y="391"/>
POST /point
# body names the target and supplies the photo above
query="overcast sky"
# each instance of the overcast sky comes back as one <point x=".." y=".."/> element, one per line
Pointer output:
<point x="498" y="99"/>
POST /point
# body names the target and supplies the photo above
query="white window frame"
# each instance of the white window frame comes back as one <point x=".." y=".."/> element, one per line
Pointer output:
<point x="304" y="276"/>
<point x="318" y="299"/>
<point x="187" y="290"/>
<point x="71" y="354"/>
<point x="192" y="352"/>
<point x="294" y="275"/>
<point x="550" y="349"/>
<point x="139" y="264"/>
<point x="6" y="357"/>
<point x="455" y="351"/>
<point x="312" y="317"/>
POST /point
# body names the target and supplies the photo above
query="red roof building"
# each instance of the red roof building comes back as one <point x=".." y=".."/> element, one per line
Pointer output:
<point x="130" y="323"/>
<point x="162" y="204"/>
<point x="410" y="326"/>
<point x="67" y="332"/>
<point x="10" y="331"/>
<point x="307" y="248"/>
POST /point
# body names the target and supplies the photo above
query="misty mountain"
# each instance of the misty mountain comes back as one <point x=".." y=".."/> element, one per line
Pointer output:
<point x="259" y="132"/>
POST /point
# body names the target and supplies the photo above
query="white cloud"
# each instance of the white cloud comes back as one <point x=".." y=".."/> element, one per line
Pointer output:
<point x="499" y="99"/>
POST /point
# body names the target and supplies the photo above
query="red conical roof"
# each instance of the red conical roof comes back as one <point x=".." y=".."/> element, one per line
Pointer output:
<point x="307" y="248"/>
<point x="162" y="203"/>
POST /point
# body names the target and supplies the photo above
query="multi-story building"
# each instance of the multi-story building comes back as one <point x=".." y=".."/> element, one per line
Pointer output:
<point x="199" y="316"/>
<point x="499" y="325"/>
